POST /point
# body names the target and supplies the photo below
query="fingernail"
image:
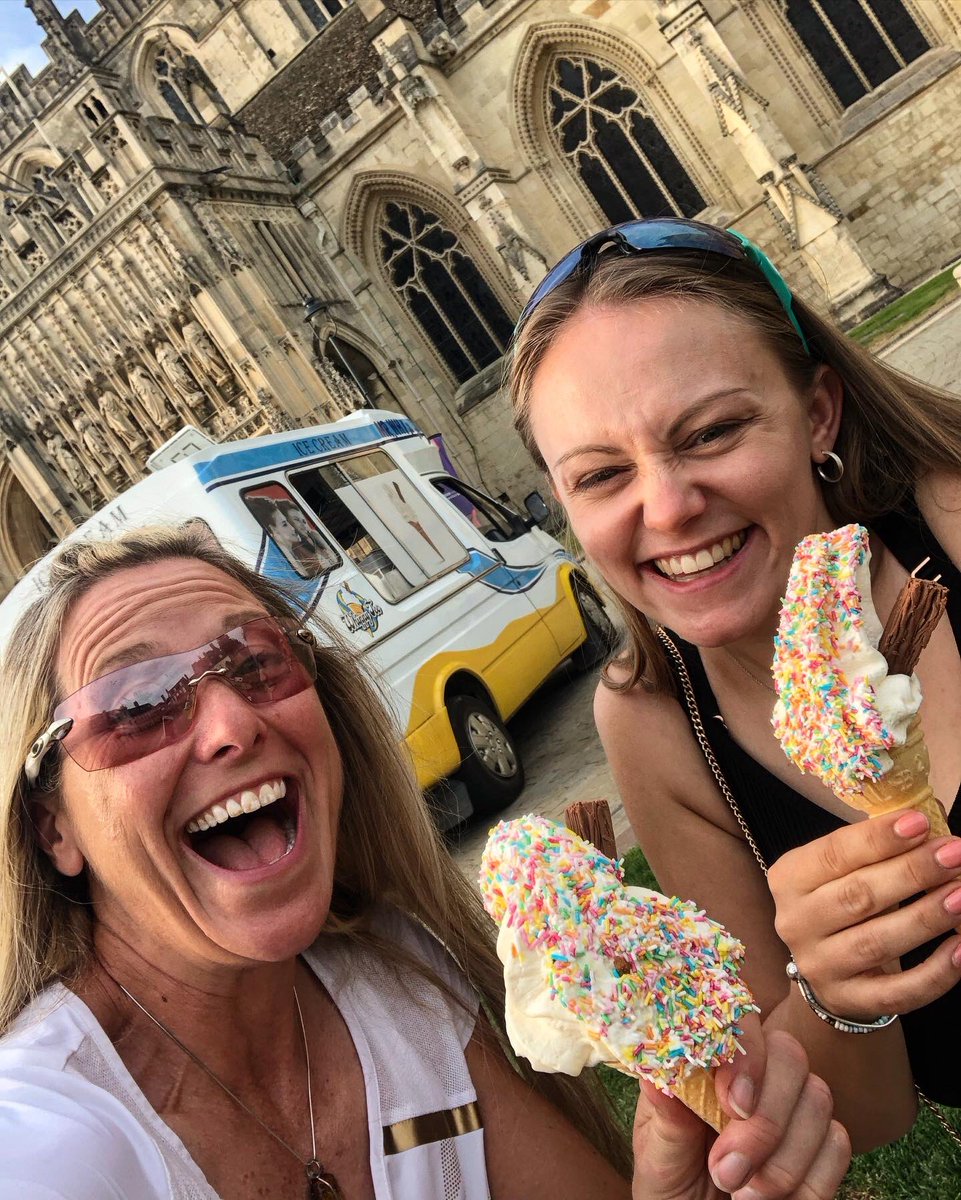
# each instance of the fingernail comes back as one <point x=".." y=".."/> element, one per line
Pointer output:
<point x="742" y="1092"/>
<point x="956" y="956"/>
<point x="732" y="1172"/>
<point x="952" y="902"/>
<point x="950" y="854"/>
<point x="911" y="825"/>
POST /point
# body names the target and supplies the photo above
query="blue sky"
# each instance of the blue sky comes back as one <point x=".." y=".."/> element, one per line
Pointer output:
<point x="20" y="35"/>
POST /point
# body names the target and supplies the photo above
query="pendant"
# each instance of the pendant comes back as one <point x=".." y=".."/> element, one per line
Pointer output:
<point x="321" y="1185"/>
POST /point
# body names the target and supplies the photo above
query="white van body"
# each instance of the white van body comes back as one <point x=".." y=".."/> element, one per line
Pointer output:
<point x="463" y="607"/>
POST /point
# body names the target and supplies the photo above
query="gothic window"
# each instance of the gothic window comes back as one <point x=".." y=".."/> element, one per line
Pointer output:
<point x="319" y="12"/>
<point x="856" y="43"/>
<point x="442" y="289"/>
<point x="40" y="183"/>
<point x="174" y="91"/>
<point x="608" y="138"/>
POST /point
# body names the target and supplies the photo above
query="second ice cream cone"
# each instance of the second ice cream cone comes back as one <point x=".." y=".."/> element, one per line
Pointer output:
<point x="905" y="784"/>
<point x="697" y="1092"/>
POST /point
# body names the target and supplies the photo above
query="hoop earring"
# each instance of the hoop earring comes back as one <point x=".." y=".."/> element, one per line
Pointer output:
<point x="836" y="463"/>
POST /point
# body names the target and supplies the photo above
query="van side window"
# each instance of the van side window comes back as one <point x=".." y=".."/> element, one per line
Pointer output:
<point x="319" y="487"/>
<point x="290" y="529"/>
<point x="491" y="519"/>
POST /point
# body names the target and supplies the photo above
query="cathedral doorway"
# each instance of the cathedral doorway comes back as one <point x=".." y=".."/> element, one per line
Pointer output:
<point x="25" y="534"/>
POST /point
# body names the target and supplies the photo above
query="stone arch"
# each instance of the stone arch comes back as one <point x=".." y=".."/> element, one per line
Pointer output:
<point x="530" y="117"/>
<point x="181" y="98"/>
<point x="369" y="193"/>
<point x="366" y="361"/>
<point x="25" y="534"/>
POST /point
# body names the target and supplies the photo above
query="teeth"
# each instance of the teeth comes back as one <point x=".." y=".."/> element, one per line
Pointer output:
<point x="247" y="801"/>
<point x="703" y="560"/>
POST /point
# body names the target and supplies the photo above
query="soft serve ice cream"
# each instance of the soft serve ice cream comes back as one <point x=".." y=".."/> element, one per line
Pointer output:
<point x="598" y="972"/>
<point x="839" y="712"/>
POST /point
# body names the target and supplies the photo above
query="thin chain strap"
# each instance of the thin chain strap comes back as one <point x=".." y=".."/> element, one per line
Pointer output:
<point x="694" y="714"/>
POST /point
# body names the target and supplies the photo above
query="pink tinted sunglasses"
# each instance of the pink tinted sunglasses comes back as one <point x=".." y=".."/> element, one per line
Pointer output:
<point x="139" y="709"/>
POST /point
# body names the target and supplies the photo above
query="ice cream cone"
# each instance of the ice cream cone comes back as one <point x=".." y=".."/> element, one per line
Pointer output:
<point x="696" y="1091"/>
<point x="905" y="784"/>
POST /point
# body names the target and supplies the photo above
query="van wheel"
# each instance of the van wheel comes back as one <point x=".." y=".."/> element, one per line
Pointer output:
<point x="491" y="767"/>
<point x="601" y="632"/>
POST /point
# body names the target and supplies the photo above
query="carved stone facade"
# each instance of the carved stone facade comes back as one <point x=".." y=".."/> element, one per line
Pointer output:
<point x="187" y="174"/>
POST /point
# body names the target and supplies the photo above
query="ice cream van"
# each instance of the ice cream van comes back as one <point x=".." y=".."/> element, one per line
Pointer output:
<point x="463" y="606"/>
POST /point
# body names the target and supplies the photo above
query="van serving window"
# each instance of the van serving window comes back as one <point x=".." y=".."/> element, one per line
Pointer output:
<point x="381" y="519"/>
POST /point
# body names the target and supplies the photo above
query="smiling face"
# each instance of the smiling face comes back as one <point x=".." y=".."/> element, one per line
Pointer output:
<point x="682" y="454"/>
<point x="169" y="875"/>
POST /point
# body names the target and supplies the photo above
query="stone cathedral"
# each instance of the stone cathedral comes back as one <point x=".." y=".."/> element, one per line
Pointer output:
<point x="252" y="215"/>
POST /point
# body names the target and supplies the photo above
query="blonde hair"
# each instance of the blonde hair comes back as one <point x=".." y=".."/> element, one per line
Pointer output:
<point x="388" y="850"/>
<point x="894" y="429"/>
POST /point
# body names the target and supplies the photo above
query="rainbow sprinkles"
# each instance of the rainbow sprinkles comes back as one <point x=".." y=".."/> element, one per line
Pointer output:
<point x="838" y="710"/>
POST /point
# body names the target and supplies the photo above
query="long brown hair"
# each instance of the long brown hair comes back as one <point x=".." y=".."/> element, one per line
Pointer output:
<point x="894" y="429"/>
<point x="388" y="850"/>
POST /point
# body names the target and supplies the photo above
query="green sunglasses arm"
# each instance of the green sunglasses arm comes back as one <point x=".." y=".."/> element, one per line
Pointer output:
<point x="775" y="279"/>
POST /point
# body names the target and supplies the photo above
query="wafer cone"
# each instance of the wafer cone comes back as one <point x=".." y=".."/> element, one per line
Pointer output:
<point x="906" y="784"/>
<point x="696" y="1091"/>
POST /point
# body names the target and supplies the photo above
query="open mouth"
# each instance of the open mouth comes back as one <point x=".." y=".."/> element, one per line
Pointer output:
<point x="254" y="828"/>
<point x="685" y="567"/>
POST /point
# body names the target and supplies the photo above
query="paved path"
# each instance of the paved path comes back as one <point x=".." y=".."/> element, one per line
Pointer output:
<point x="932" y="350"/>
<point x="564" y="762"/>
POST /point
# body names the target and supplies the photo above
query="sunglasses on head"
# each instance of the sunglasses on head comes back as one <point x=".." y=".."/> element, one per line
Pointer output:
<point x="139" y="709"/>
<point x="663" y="233"/>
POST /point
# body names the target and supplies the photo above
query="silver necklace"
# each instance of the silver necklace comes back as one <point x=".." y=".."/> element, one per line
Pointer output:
<point x="321" y="1184"/>
<point x="749" y="673"/>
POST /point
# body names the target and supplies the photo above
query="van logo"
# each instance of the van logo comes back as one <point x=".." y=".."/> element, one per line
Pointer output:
<point x="358" y="612"/>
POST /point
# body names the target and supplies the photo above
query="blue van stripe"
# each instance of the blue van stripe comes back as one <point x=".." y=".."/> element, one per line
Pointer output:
<point x="493" y="573"/>
<point x="255" y="459"/>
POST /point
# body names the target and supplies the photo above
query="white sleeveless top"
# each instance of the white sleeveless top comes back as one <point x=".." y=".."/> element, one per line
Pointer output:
<point x="74" y="1125"/>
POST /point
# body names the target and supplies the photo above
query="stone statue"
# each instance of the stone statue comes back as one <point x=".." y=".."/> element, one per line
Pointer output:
<point x="203" y="351"/>
<point x="170" y="362"/>
<point x="95" y="443"/>
<point x="68" y="465"/>
<point x="115" y="414"/>
<point x="145" y="388"/>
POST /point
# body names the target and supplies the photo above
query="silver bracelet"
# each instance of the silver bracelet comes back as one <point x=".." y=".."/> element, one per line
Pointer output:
<point x="839" y="1023"/>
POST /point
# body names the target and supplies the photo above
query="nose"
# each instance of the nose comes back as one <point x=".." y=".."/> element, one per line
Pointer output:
<point x="671" y="498"/>
<point x="224" y="724"/>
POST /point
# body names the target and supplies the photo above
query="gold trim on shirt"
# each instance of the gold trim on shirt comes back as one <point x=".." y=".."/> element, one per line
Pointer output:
<point x="431" y="1127"/>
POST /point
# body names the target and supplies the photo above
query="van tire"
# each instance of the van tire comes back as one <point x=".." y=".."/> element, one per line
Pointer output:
<point x="601" y="631"/>
<point x="491" y="767"/>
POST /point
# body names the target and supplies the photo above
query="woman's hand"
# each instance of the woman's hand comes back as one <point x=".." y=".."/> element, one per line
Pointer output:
<point x="837" y="911"/>
<point x="787" y="1146"/>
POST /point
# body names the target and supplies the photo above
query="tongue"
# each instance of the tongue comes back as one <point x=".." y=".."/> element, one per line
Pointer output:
<point x="262" y="842"/>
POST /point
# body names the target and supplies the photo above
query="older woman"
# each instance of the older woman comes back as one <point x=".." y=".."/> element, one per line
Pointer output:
<point x="697" y="421"/>
<point x="229" y="937"/>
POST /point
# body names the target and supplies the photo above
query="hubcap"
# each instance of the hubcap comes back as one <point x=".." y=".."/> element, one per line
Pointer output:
<point x="491" y="746"/>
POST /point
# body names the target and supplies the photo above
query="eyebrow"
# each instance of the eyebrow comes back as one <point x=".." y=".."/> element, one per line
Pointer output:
<point x="140" y="651"/>
<point x="689" y="414"/>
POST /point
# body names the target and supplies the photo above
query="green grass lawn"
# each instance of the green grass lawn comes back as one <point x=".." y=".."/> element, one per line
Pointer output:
<point x="923" y="1165"/>
<point x="905" y="309"/>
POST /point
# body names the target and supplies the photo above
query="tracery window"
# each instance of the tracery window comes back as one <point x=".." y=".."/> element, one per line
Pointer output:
<point x="319" y="12"/>
<point x="607" y="136"/>
<point x="856" y="43"/>
<point x="174" y="93"/>
<point x="442" y="289"/>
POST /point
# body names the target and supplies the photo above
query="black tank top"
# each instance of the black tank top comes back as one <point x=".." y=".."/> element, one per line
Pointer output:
<point x="780" y="819"/>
